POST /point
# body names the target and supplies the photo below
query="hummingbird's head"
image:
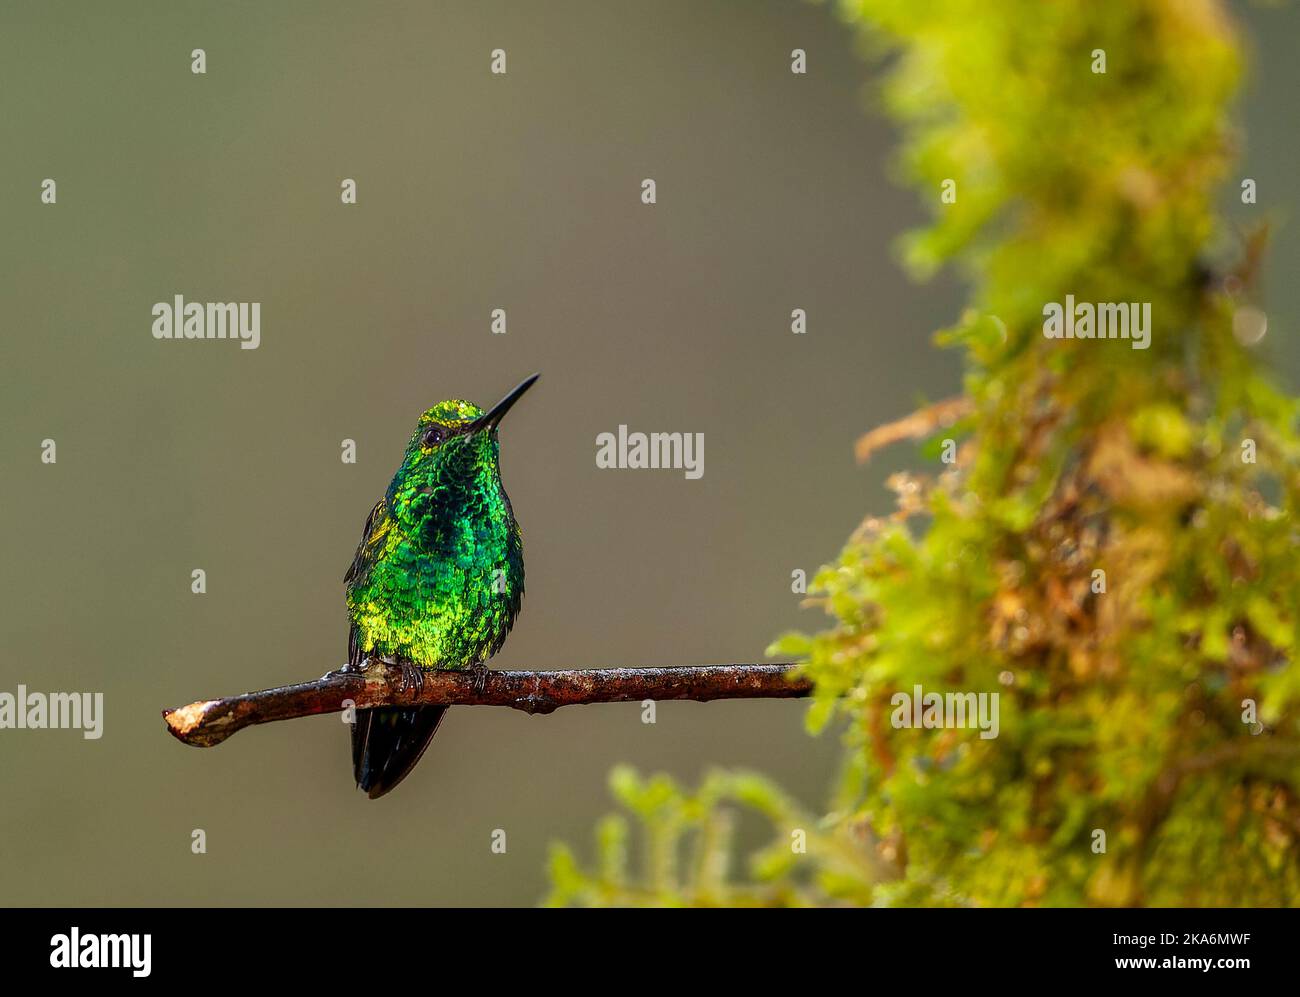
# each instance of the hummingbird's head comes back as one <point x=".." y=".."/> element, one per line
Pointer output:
<point x="453" y="455"/>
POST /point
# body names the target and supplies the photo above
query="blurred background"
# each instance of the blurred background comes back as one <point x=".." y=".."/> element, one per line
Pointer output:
<point x="475" y="192"/>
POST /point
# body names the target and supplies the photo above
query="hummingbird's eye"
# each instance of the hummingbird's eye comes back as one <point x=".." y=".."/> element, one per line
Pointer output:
<point x="432" y="436"/>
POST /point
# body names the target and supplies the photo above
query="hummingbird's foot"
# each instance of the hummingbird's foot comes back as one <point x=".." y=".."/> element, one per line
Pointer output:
<point x="363" y="665"/>
<point x="478" y="673"/>
<point x="412" y="678"/>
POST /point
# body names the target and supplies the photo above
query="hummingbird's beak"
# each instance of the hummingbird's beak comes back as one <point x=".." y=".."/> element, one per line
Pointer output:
<point x="492" y="418"/>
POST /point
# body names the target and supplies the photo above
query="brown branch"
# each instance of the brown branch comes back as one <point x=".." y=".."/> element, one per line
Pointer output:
<point x="210" y="722"/>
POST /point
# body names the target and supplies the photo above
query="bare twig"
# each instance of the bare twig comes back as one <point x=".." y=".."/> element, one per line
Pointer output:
<point x="919" y="424"/>
<point x="210" y="722"/>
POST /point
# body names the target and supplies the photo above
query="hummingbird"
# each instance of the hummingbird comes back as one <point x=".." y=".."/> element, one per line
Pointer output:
<point x="437" y="580"/>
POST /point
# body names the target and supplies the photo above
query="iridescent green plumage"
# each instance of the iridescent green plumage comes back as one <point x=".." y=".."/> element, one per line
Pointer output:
<point x="438" y="577"/>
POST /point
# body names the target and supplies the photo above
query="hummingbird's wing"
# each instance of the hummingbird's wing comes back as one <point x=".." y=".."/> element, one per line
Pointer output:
<point x="377" y="526"/>
<point x="386" y="741"/>
<point x="378" y="523"/>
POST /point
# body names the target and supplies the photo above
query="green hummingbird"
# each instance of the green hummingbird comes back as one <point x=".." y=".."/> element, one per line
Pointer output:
<point x="437" y="579"/>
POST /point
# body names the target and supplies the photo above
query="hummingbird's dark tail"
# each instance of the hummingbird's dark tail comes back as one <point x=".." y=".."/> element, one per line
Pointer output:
<point x="387" y="742"/>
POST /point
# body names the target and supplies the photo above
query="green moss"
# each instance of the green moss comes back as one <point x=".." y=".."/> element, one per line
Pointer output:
<point x="1122" y="709"/>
